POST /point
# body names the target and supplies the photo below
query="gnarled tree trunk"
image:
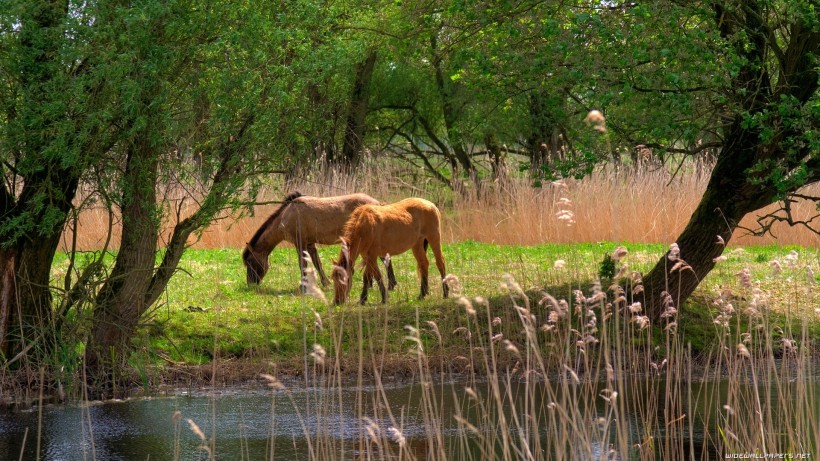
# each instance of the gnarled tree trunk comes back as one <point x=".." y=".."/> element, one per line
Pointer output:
<point x="121" y="301"/>
<point x="762" y="147"/>
<point x="728" y="198"/>
<point x="357" y="112"/>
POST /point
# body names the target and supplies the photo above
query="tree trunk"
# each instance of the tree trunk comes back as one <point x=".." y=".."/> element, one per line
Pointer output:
<point x="122" y="299"/>
<point x="729" y="196"/>
<point x="357" y="112"/>
<point x="744" y="178"/>
<point x="8" y="292"/>
<point x="545" y="142"/>
<point x="495" y="154"/>
<point x="49" y="184"/>
<point x="447" y="92"/>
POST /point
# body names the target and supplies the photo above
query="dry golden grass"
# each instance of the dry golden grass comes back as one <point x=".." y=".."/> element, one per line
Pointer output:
<point x="626" y="206"/>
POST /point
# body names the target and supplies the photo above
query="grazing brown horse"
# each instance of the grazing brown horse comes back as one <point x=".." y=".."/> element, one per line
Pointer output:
<point x="375" y="230"/>
<point x="303" y="221"/>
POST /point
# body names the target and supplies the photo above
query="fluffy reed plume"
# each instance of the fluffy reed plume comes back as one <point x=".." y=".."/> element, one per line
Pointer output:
<point x="317" y="320"/>
<point x="674" y="252"/>
<point x="791" y="259"/>
<point x="572" y="375"/>
<point x="318" y="354"/>
<point x="373" y="431"/>
<point x="453" y="283"/>
<point x="434" y="328"/>
<point x="564" y="211"/>
<point x="596" y="120"/>
<point x="745" y="277"/>
<point x="272" y="381"/>
<point x="396" y="436"/>
<point x="620" y="253"/>
<point x="309" y="285"/>
<point x="467" y="305"/>
<point x="609" y="395"/>
<point x="642" y="321"/>
<point x="414" y="336"/>
<point x="669" y="310"/>
<point x="512" y="286"/>
<point x="201" y="436"/>
<point x="196" y="430"/>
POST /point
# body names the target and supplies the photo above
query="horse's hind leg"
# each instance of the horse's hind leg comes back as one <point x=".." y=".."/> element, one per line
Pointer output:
<point x="317" y="263"/>
<point x="391" y="276"/>
<point x="302" y="267"/>
<point x="419" y="251"/>
<point x="435" y="244"/>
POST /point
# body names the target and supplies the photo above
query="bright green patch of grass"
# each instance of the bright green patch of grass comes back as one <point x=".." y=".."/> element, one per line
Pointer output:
<point x="209" y="309"/>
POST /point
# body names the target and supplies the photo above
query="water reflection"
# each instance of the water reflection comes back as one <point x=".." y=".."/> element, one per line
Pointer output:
<point x="244" y="423"/>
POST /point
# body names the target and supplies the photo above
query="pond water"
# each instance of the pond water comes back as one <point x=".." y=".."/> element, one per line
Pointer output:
<point x="244" y="421"/>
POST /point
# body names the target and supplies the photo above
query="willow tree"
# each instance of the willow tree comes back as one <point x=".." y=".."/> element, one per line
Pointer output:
<point x="737" y="78"/>
<point x="149" y="106"/>
<point x="55" y="124"/>
<point x="770" y="143"/>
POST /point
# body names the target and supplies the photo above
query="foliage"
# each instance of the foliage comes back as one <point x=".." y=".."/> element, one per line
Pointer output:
<point x="175" y="112"/>
<point x="607" y="268"/>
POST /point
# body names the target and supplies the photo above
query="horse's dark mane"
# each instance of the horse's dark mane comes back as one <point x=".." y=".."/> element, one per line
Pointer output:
<point x="264" y="227"/>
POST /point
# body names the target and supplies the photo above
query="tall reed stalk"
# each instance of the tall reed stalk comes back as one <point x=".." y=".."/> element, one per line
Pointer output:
<point x="568" y="379"/>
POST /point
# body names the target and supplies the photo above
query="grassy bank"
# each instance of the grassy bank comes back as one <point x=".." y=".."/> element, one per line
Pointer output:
<point x="538" y="377"/>
<point x="210" y="313"/>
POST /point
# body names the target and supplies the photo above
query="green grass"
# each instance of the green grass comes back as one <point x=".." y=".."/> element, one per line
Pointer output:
<point x="562" y="360"/>
<point x="209" y="309"/>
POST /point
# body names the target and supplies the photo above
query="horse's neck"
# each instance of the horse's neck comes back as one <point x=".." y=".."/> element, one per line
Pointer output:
<point x="272" y="236"/>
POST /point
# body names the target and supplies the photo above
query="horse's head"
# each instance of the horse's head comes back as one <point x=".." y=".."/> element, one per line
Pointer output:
<point x="341" y="275"/>
<point x="257" y="266"/>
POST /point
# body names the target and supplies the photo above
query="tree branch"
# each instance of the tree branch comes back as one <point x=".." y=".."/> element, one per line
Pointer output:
<point x="767" y="221"/>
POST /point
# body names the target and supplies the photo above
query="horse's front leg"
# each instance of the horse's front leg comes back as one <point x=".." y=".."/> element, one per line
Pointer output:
<point x="317" y="263"/>
<point x="391" y="276"/>
<point x="372" y="272"/>
<point x="367" y="280"/>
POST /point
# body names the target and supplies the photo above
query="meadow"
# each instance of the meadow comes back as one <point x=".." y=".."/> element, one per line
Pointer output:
<point x="533" y="360"/>
<point x="210" y="313"/>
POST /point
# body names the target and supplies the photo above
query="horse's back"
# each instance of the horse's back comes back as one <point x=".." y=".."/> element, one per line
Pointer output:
<point x="321" y="219"/>
<point x="424" y="212"/>
<point x="393" y="228"/>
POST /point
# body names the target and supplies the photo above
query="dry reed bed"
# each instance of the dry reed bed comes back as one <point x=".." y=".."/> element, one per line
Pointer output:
<point x="626" y="206"/>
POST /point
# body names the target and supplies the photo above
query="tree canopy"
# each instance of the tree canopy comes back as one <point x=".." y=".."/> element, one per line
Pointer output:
<point x="110" y="102"/>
